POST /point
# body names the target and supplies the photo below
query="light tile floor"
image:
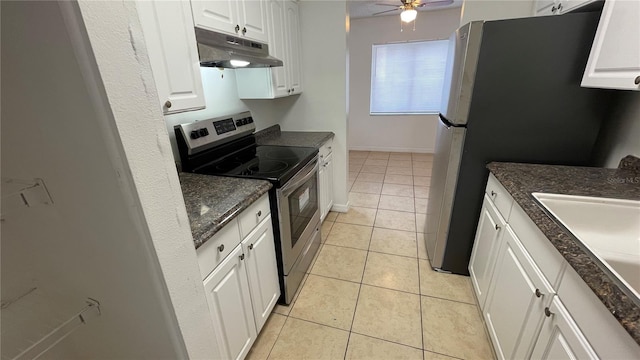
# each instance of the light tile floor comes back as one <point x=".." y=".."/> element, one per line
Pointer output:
<point x="371" y="293"/>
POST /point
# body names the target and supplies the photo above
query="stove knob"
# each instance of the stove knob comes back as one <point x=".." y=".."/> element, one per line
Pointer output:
<point x="203" y="132"/>
<point x="195" y="134"/>
<point x="238" y="122"/>
<point x="250" y="120"/>
<point x="243" y="121"/>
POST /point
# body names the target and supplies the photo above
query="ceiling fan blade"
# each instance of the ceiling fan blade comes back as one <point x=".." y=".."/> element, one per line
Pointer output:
<point x="382" y="12"/>
<point x="438" y="3"/>
<point x="382" y="4"/>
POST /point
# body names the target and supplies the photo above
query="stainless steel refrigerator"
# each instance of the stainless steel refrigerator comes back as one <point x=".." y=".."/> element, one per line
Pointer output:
<point x="512" y="93"/>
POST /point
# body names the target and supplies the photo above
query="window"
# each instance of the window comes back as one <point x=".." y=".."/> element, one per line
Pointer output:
<point x="407" y="78"/>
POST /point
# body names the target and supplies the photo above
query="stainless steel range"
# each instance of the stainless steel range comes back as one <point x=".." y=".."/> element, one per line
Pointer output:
<point x="226" y="146"/>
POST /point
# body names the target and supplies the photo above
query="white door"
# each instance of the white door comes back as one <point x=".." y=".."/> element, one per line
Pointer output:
<point x="485" y="249"/>
<point x="216" y="15"/>
<point x="512" y="305"/>
<point x="229" y="299"/>
<point x="262" y="270"/>
<point x="293" y="31"/>
<point x="171" y="43"/>
<point x="560" y="337"/>
<point x="614" y="62"/>
<point x="253" y="19"/>
<point x="278" y="45"/>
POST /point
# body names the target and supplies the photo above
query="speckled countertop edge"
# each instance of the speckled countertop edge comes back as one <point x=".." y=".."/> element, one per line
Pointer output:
<point x="523" y="179"/>
<point x="213" y="201"/>
<point x="274" y="136"/>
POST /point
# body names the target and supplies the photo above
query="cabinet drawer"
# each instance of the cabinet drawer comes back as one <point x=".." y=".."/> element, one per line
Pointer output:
<point x="253" y="215"/>
<point x="326" y="148"/>
<point x="537" y="244"/>
<point x="500" y="196"/>
<point x="212" y="252"/>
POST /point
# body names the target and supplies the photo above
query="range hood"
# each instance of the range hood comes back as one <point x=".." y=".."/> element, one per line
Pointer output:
<point x="226" y="51"/>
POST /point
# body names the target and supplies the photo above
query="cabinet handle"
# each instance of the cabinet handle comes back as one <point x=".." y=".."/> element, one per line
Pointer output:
<point x="497" y="227"/>
<point x="554" y="9"/>
<point x="250" y="246"/>
<point x="329" y="147"/>
<point x="221" y="248"/>
<point x="237" y="28"/>
<point x="547" y="312"/>
<point x="244" y="30"/>
<point x="167" y="104"/>
<point x="559" y="6"/>
<point x="242" y="257"/>
<point x="538" y="293"/>
<point x="259" y="213"/>
<point x="637" y="80"/>
<point x="493" y="193"/>
<point x="288" y="91"/>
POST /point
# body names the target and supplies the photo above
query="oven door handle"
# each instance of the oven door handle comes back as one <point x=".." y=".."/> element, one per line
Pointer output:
<point x="292" y="186"/>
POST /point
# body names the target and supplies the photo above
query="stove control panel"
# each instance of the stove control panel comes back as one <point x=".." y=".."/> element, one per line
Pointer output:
<point x="205" y="134"/>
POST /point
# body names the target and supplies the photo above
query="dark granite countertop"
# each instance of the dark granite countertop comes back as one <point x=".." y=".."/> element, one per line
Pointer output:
<point x="523" y="179"/>
<point x="213" y="201"/>
<point x="274" y="136"/>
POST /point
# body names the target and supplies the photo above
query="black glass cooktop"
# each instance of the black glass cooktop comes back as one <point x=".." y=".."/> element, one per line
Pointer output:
<point x="268" y="162"/>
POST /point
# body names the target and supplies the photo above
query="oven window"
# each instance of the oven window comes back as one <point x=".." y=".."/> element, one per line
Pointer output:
<point x="303" y="204"/>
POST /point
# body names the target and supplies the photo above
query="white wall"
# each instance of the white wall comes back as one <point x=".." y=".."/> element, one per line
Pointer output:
<point x="621" y="130"/>
<point x="416" y="133"/>
<point x="495" y="10"/>
<point x="100" y="238"/>
<point x="149" y="174"/>
<point x="322" y="106"/>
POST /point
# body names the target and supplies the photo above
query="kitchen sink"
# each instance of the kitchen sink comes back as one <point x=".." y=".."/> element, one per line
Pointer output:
<point x="608" y="228"/>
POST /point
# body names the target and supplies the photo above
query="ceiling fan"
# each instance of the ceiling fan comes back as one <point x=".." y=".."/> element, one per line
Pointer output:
<point x="409" y="7"/>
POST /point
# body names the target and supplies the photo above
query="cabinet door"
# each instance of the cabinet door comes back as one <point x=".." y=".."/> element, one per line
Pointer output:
<point x="253" y="19"/>
<point x="216" y="15"/>
<point x="560" y="337"/>
<point x="262" y="270"/>
<point x="328" y="170"/>
<point x="293" y="45"/>
<point x="322" y="189"/>
<point x="171" y="43"/>
<point x="278" y="45"/>
<point x="512" y="307"/>
<point x="544" y="7"/>
<point x="485" y="249"/>
<point x="229" y="299"/>
<point x="614" y="62"/>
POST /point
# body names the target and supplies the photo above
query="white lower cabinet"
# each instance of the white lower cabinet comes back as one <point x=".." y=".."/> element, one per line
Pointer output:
<point x="517" y="296"/>
<point x="325" y="178"/>
<point x="229" y="300"/>
<point x="560" y="338"/>
<point x="536" y="305"/>
<point x="243" y="288"/>
<point x="483" y="257"/>
<point x="262" y="270"/>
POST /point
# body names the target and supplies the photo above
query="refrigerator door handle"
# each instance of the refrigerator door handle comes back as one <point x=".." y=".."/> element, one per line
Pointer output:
<point x="448" y="123"/>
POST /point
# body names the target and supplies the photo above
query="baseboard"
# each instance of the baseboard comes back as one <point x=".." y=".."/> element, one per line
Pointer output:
<point x="341" y="208"/>
<point x="392" y="149"/>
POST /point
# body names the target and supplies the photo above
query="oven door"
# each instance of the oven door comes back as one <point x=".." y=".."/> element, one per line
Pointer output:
<point x="299" y="212"/>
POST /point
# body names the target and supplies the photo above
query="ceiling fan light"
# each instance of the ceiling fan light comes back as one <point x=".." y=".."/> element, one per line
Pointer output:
<point x="408" y="15"/>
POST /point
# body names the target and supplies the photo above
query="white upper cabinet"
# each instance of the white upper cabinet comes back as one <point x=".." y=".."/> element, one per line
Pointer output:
<point x="243" y="18"/>
<point x="557" y="7"/>
<point x="171" y="44"/>
<point x="293" y="47"/>
<point x="614" y="62"/>
<point x="284" y="44"/>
